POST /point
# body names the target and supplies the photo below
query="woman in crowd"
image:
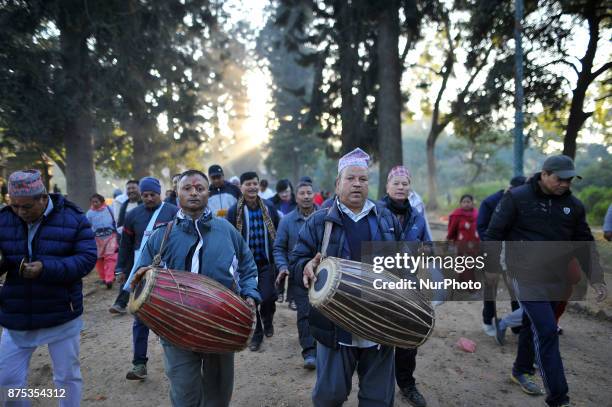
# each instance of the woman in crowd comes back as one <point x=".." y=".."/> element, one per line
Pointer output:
<point x="103" y="224"/>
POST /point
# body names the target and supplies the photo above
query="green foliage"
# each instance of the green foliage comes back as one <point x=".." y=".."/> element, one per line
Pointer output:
<point x="137" y="60"/>
<point x="596" y="200"/>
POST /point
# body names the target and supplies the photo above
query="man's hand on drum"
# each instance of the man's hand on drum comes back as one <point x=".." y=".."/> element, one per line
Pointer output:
<point x="138" y="276"/>
<point x="309" y="269"/>
<point x="281" y="277"/>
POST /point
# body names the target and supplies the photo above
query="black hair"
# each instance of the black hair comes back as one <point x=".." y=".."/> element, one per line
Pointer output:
<point x="283" y="184"/>
<point x="306" y="179"/>
<point x="132" y="181"/>
<point x="263" y="183"/>
<point x="247" y="176"/>
<point x="189" y="173"/>
<point x="303" y="184"/>
<point x="98" y="197"/>
<point x="466" y="196"/>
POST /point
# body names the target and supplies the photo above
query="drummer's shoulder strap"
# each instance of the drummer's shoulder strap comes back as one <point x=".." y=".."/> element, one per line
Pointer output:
<point x="158" y="256"/>
<point x="326" y="236"/>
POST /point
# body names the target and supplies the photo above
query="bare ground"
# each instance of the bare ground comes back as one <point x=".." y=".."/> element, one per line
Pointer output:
<point x="275" y="377"/>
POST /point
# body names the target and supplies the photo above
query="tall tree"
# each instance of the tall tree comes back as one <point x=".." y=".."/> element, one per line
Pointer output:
<point x="389" y="107"/>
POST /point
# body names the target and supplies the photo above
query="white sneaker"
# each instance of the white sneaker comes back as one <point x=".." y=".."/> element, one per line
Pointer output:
<point x="489" y="329"/>
<point x="436" y="303"/>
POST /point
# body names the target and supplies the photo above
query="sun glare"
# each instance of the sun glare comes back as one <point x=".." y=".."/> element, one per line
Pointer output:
<point x="255" y="130"/>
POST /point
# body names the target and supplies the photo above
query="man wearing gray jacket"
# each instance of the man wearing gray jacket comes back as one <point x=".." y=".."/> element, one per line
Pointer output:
<point x="286" y="237"/>
<point x="211" y="246"/>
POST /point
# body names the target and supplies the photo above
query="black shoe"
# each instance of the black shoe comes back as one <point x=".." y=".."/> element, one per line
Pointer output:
<point x="269" y="332"/>
<point x="254" y="346"/>
<point x="413" y="396"/>
<point x="292" y="306"/>
<point x="109" y="285"/>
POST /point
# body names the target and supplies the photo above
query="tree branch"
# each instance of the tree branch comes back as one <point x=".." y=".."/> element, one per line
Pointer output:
<point x="601" y="70"/>
<point x="439" y="73"/>
<point x="603" y="97"/>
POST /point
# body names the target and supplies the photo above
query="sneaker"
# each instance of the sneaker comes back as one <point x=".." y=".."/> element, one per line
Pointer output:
<point x="489" y="329"/>
<point x="436" y="303"/>
<point x="117" y="309"/>
<point x="292" y="306"/>
<point x="269" y="332"/>
<point x="527" y="383"/>
<point x="559" y="330"/>
<point x="138" y="372"/>
<point x="280" y="298"/>
<point x="500" y="334"/>
<point x="413" y="396"/>
<point x="310" y="363"/>
<point x="254" y="346"/>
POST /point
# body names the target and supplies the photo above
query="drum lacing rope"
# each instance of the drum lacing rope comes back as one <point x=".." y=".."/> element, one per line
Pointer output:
<point x="178" y="288"/>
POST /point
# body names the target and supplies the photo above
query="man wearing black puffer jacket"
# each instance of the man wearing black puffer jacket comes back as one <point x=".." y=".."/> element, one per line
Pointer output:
<point x="543" y="210"/>
<point x="49" y="247"/>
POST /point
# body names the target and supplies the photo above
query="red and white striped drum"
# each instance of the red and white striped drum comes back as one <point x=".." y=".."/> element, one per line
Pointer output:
<point x="345" y="292"/>
<point x="192" y="311"/>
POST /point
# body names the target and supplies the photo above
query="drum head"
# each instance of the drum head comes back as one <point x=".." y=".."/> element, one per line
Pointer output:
<point x="328" y="278"/>
<point x="141" y="293"/>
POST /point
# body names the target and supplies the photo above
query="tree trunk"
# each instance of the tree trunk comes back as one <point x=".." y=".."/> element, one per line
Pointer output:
<point x="139" y="129"/>
<point x="389" y="95"/>
<point x="432" y="184"/>
<point x="577" y="116"/>
<point x="78" y="137"/>
<point x="348" y="55"/>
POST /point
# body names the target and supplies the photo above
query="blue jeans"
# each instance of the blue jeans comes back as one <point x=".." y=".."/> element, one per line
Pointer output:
<point x="539" y="338"/>
<point x="335" y="368"/>
<point x="140" y="340"/>
<point x="198" y="379"/>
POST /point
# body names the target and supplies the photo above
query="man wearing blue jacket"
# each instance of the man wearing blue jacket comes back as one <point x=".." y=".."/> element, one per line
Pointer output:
<point x="203" y="244"/>
<point x="485" y="212"/>
<point x="49" y="247"/>
<point x="355" y="220"/>
<point x="139" y="225"/>
<point x="286" y="237"/>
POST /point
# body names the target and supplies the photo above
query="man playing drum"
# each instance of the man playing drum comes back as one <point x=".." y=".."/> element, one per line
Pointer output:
<point x="355" y="220"/>
<point x="211" y="246"/>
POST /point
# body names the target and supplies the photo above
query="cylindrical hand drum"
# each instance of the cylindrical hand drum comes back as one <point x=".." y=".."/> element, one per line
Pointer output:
<point x="345" y="293"/>
<point x="192" y="312"/>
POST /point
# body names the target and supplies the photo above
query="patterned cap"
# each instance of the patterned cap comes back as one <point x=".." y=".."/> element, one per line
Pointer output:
<point x="356" y="158"/>
<point x="26" y="183"/>
<point x="399" y="171"/>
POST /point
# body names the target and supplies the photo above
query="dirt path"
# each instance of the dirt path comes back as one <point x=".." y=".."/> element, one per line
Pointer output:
<point x="274" y="376"/>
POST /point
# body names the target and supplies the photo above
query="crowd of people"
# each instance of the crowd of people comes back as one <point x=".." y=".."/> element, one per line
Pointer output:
<point x="255" y="242"/>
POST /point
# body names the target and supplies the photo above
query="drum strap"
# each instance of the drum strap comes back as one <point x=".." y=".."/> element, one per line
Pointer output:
<point x="158" y="257"/>
<point x="326" y="236"/>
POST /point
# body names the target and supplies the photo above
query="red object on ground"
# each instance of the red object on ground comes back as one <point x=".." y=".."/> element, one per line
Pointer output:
<point x="466" y="345"/>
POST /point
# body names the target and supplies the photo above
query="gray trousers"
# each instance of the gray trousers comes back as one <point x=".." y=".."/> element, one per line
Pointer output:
<point x="335" y="368"/>
<point x="199" y="379"/>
